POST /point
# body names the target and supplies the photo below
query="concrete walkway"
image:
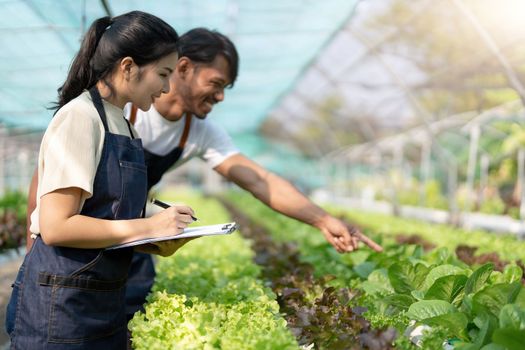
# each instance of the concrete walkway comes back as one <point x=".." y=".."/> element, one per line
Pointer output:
<point x="467" y="220"/>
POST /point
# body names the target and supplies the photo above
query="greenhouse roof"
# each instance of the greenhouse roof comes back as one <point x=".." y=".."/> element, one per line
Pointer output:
<point x="275" y="39"/>
<point x="507" y="111"/>
<point x="418" y="135"/>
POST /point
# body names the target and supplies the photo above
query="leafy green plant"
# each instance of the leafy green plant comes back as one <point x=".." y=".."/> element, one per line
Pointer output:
<point x="12" y="219"/>
<point x="208" y="296"/>
<point x="14" y="201"/>
<point x="473" y="307"/>
<point x="319" y="315"/>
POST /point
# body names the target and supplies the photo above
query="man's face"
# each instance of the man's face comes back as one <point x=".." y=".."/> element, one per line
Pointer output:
<point x="204" y="85"/>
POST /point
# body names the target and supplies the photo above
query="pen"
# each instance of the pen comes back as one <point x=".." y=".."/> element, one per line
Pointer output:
<point x="166" y="206"/>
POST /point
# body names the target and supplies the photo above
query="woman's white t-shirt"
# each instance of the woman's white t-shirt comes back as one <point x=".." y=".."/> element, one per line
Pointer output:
<point x="71" y="149"/>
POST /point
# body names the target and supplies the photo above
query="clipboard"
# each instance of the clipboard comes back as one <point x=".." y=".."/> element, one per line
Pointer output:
<point x="198" y="231"/>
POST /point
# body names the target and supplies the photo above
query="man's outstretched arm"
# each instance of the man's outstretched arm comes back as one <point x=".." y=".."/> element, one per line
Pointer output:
<point x="282" y="196"/>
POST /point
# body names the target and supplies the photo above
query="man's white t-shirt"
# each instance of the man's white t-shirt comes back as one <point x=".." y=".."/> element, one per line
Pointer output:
<point x="206" y="140"/>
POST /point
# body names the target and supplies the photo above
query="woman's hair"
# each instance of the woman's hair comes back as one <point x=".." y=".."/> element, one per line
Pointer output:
<point x="204" y="45"/>
<point x="139" y="35"/>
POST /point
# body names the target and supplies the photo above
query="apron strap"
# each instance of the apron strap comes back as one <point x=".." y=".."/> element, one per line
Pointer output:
<point x="133" y="114"/>
<point x="129" y="128"/>
<point x="97" y="101"/>
<point x="132" y="119"/>
<point x="186" y="131"/>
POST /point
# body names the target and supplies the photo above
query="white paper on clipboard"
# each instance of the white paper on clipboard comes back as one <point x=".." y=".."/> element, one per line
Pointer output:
<point x="198" y="231"/>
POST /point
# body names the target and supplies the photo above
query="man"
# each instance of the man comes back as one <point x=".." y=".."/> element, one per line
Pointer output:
<point x="175" y="129"/>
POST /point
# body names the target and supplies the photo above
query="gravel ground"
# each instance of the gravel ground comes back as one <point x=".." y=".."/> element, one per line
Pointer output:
<point x="9" y="265"/>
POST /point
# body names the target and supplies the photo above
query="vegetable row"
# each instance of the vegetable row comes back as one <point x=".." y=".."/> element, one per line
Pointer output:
<point x="208" y="296"/>
<point x="431" y="298"/>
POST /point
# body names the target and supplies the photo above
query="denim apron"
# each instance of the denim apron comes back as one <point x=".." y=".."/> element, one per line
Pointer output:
<point x="142" y="270"/>
<point x="71" y="298"/>
<point x="158" y="165"/>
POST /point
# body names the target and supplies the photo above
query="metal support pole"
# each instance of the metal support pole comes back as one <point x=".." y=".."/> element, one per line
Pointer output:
<point x="327" y="177"/>
<point x="398" y="164"/>
<point x="106" y="8"/>
<point x="483" y="178"/>
<point x="425" y="171"/>
<point x="452" y="187"/>
<point x="394" y="195"/>
<point x="83" y="19"/>
<point x="521" y="182"/>
<point x="338" y="177"/>
<point x="472" y="159"/>
<point x="408" y="170"/>
<point x="348" y="178"/>
<point x="320" y="173"/>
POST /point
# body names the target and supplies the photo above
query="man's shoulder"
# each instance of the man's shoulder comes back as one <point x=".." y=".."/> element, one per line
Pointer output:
<point x="208" y="126"/>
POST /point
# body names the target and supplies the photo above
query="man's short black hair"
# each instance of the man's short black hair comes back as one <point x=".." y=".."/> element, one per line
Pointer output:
<point x="204" y="45"/>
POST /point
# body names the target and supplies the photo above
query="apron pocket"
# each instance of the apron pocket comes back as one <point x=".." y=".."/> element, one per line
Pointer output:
<point x="83" y="309"/>
<point x="133" y="189"/>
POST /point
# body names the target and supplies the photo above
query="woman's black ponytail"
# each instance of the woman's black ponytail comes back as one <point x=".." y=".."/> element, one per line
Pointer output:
<point x="81" y="75"/>
<point x="142" y="36"/>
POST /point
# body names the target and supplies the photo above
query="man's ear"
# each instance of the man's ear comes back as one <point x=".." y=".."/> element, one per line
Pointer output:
<point x="185" y="67"/>
<point x="126" y="66"/>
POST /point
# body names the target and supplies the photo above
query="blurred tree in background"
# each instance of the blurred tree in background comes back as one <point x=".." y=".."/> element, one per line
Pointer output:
<point x="426" y="49"/>
<point x="459" y="72"/>
<point x="333" y="126"/>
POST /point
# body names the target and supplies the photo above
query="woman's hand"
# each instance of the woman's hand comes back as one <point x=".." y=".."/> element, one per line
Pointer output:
<point x="171" y="221"/>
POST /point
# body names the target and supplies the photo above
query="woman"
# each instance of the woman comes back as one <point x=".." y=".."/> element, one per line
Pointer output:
<point x="69" y="292"/>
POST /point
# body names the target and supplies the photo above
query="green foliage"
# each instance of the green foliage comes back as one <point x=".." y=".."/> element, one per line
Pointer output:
<point x="410" y="195"/>
<point x="440" y="235"/>
<point x="515" y="140"/>
<point x="207" y="296"/>
<point x="492" y="206"/>
<point x="478" y="278"/>
<point x="492" y="298"/>
<point x="512" y="316"/>
<point x="14" y="201"/>
<point x="448" y="288"/>
<point x="12" y="219"/>
<point x="475" y="307"/>
<point x="433" y="338"/>
<point x="406" y="277"/>
<point x="175" y="321"/>
<point x="510" y="339"/>
<point x="441" y="271"/>
<point x="424" y="309"/>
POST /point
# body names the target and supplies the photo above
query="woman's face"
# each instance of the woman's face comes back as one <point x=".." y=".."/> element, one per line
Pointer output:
<point x="151" y="81"/>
